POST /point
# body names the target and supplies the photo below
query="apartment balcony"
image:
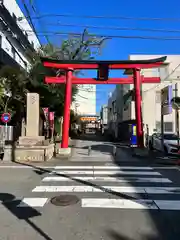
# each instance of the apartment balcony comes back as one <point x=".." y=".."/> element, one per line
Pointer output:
<point x="13" y="26"/>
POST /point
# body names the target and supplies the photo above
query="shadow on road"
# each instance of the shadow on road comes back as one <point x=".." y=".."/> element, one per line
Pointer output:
<point x="118" y="236"/>
<point x="24" y="212"/>
<point x="165" y="222"/>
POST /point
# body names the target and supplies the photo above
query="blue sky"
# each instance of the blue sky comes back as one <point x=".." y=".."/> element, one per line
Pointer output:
<point x="115" y="48"/>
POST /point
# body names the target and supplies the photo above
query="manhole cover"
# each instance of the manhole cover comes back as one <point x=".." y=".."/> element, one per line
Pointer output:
<point x="64" y="200"/>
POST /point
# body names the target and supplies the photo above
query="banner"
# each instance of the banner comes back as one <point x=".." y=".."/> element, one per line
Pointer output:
<point x="46" y="113"/>
<point x="46" y="122"/>
<point x="51" y="119"/>
<point x="51" y="116"/>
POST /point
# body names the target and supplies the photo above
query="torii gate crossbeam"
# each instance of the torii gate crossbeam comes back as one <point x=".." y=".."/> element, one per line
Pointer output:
<point x="103" y="69"/>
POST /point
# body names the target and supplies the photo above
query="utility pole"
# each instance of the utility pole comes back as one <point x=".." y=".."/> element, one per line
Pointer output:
<point x="162" y="125"/>
<point x="177" y="114"/>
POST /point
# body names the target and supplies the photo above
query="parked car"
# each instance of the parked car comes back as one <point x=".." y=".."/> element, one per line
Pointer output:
<point x="170" y="143"/>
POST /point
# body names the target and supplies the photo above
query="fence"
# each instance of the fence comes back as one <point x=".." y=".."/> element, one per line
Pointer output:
<point x="6" y="134"/>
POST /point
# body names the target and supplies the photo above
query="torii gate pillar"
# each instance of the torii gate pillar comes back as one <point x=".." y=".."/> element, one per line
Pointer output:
<point x="67" y="105"/>
<point x="137" y="88"/>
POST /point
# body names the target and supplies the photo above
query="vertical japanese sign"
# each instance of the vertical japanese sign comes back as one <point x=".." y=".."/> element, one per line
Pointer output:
<point x="46" y="123"/>
<point x="51" y="119"/>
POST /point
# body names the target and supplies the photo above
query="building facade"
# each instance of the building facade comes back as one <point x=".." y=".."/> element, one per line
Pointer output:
<point x="104" y="118"/>
<point x="151" y="93"/>
<point x="17" y="39"/>
<point x="85" y="100"/>
<point x="151" y="98"/>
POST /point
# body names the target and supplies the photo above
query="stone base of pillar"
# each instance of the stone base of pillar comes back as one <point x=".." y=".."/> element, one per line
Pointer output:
<point x="66" y="152"/>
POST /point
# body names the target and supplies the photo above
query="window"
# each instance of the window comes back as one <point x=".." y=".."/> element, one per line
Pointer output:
<point x="32" y="44"/>
<point x="158" y="97"/>
<point x="164" y="72"/>
<point x="13" y="52"/>
<point x="158" y="126"/>
<point x="114" y="106"/>
<point x="14" y="17"/>
<point x="0" y="40"/>
<point x="25" y="64"/>
<point x="168" y="126"/>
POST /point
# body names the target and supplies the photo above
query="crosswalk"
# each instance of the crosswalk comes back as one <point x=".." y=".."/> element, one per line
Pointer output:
<point x="125" y="187"/>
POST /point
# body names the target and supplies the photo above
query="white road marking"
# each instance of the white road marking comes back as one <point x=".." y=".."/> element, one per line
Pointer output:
<point x="107" y="172"/>
<point x="104" y="167"/>
<point x="123" y="168"/>
<point x="33" y="202"/>
<point x="73" y="172"/>
<point x="117" y="203"/>
<point x="130" y="204"/>
<point x="119" y="189"/>
<point x="108" y="179"/>
<point x="126" y="173"/>
<point x="168" y="204"/>
<point x="74" y="167"/>
<point x="168" y="168"/>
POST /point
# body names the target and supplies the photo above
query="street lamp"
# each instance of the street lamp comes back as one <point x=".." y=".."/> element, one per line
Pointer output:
<point x="176" y="105"/>
<point x="162" y="123"/>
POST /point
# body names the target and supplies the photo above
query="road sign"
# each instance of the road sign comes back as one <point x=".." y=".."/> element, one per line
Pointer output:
<point x="5" y="117"/>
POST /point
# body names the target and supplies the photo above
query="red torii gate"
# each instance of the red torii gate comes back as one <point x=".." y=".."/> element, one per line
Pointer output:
<point x="102" y="78"/>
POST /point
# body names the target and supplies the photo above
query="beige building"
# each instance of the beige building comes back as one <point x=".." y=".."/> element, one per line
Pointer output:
<point x="151" y="96"/>
<point x="85" y="100"/>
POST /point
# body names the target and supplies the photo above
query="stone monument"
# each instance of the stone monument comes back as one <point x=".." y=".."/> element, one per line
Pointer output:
<point x="32" y="122"/>
<point x="31" y="147"/>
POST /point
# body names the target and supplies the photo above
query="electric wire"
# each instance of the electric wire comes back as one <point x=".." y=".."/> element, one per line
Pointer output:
<point x="51" y="15"/>
<point x="115" y="28"/>
<point x="75" y="34"/>
<point x="36" y="11"/>
<point x="164" y="80"/>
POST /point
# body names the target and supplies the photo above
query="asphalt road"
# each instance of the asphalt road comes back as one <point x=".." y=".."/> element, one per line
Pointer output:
<point x="132" y="201"/>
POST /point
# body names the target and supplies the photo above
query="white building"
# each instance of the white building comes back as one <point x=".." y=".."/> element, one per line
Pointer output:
<point x="17" y="39"/>
<point x="85" y="100"/>
<point x="151" y="96"/>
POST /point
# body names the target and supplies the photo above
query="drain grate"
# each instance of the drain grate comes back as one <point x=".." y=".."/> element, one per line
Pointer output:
<point x="64" y="200"/>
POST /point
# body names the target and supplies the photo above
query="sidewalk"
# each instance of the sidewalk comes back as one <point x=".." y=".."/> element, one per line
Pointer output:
<point x="101" y="151"/>
<point x="86" y="150"/>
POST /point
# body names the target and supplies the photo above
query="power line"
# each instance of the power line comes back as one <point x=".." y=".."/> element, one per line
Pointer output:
<point x="115" y="28"/>
<point x="164" y="79"/>
<point x="30" y="19"/>
<point x="107" y="17"/>
<point x="35" y="10"/>
<point x="110" y="36"/>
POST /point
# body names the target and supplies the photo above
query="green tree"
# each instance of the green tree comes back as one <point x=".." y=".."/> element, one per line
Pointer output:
<point x="15" y="83"/>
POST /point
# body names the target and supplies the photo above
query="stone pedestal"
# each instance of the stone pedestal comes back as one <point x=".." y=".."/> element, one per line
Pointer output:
<point x="30" y="141"/>
<point x="34" y="153"/>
